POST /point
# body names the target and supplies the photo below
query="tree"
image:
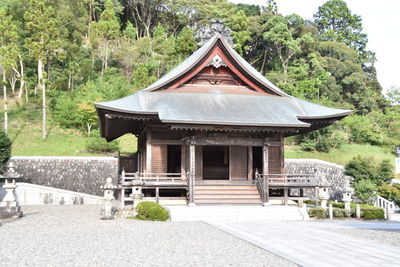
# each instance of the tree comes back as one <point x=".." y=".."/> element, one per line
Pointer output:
<point x="104" y="32"/>
<point x="335" y="22"/>
<point x="43" y="43"/>
<point x="365" y="190"/>
<point x="8" y="55"/>
<point x="286" y="45"/>
<point x="185" y="43"/>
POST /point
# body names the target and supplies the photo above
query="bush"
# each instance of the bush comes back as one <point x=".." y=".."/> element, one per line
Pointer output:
<point x="318" y="213"/>
<point x="151" y="211"/>
<point x="390" y="192"/>
<point x="5" y="149"/>
<point x="365" y="190"/>
<point x="340" y="213"/>
<point x="322" y="140"/>
<point x="339" y="205"/>
<point x="365" y="168"/>
<point x="95" y="143"/>
<point x="372" y="214"/>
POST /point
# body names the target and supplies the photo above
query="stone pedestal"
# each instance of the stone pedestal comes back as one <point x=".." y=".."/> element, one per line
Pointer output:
<point x="108" y="213"/>
<point x="9" y="207"/>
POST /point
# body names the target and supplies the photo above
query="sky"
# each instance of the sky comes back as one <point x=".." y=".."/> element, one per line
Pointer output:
<point x="381" y="22"/>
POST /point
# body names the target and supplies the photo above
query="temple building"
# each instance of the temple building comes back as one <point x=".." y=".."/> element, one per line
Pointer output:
<point x="211" y="131"/>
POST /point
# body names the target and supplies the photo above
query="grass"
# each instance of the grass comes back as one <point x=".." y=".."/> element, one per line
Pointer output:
<point x="25" y="131"/>
<point x="341" y="155"/>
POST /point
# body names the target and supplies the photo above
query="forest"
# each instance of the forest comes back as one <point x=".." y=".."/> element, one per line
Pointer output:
<point x="59" y="57"/>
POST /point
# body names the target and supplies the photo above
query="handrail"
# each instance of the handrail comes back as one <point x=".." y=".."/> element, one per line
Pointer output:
<point x="260" y="185"/>
<point x="383" y="203"/>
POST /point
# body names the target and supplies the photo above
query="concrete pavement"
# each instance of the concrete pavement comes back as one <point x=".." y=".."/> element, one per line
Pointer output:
<point x="309" y="244"/>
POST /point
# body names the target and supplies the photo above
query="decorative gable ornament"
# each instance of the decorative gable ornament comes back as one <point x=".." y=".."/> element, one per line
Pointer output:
<point x="216" y="26"/>
<point x="217" y="62"/>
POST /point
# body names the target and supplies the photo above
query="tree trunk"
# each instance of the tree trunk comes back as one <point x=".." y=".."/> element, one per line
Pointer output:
<point x="13" y="81"/>
<point x="21" y="79"/>
<point x="69" y="81"/>
<point x="5" y="102"/>
<point x="41" y="85"/>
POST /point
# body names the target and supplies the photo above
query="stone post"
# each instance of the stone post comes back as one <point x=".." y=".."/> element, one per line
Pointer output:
<point x="358" y="211"/>
<point x="108" y="213"/>
<point x="330" y="211"/>
<point x="10" y="208"/>
<point x="388" y="214"/>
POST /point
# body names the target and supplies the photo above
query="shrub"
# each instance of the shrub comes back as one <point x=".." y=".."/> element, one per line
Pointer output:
<point x="390" y="192"/>
<point x="5" y="149"/>
<point x="365" y="190"/>
<point x="95" y="143"/>
<point x="339" y="205"/>
<point x="340" y="213"/>
<point x="318" y="213"/>
<point x="371" y="214"/>
<point x="151" y="211"/>
<point x="366" y="168"/>
<point x="322" y="140"/>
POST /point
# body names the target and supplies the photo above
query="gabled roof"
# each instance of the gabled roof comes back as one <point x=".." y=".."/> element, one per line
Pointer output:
<point x="267" y="106"/>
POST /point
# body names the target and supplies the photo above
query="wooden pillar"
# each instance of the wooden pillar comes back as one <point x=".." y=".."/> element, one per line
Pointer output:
<point x="249" y="163"/>
<point x="148" y="151"/>
<point x="265" y="173"/>
<point x="183" y="162"/>
<point x="285" y="195"/>
<point x="192" y="172"/>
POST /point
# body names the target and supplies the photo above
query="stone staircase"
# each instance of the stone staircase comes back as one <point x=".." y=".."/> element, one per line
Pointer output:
<point x="226" y="194"/>
<point x="237" y="213"/>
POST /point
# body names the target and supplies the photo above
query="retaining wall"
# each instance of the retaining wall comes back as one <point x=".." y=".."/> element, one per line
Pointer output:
<point x="333" y="173"/>
<point x="79" y="174"/>
<point x="87" y="174"/>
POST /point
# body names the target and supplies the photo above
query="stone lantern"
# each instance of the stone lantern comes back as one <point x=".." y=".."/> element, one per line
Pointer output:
<point x="323" y="194"/>
<point x="109" y="188"/>
<point x="347" y="193"/>
<point x="9" y="207"/>
<point x="136" y="194"/>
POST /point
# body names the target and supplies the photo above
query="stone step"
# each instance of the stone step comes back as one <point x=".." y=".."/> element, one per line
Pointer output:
<point x="226" y="196"/>
<point x="226" y="200"/>
<point x="226" y="192"/>
<point x="233" y="186"/>
<point x="235" y="211"/>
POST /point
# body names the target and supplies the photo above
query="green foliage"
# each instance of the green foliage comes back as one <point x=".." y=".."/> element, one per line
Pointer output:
<point x="5" y="148"/>
<point x="340" y="213"/>
<point x="363" y="168"/>
<point x="390" y="192"/>
<point x="151" y="211"/>
<point x="185" y="43"/>
<point x="365" y="190"/>
<point x="336" y="23"/>
<point x="322" y="140"/>
<point x="96" y="143"/>
<point x="318" y="213"/>
<point x="373" y="214"/>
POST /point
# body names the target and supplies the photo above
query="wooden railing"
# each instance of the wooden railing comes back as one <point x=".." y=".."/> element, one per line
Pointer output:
<point x="285" y="181"/>
<point x="155" y="177"/>
<point x="151" y="180"/>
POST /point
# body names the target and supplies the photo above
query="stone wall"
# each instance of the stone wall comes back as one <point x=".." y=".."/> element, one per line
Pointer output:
<point x="333" y="173"/>
<point x="87" y="174"/>
<point x="79" y="174"/>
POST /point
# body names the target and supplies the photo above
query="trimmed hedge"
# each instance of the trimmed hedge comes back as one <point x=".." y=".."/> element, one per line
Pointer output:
<point x="318" y="213"/>
<point x="372" y="214"/>
<point x="151" y="211"/>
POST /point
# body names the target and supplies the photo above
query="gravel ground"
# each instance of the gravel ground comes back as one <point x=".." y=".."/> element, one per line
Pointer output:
<point x="388" y="237"/>
<point x="75" y="236"/>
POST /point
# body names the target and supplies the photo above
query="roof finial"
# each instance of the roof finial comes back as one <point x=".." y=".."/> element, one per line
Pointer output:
<point x="216" y="26"/>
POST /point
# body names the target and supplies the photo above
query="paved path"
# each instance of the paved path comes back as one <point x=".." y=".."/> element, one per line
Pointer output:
<point x="309" y="244"/>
